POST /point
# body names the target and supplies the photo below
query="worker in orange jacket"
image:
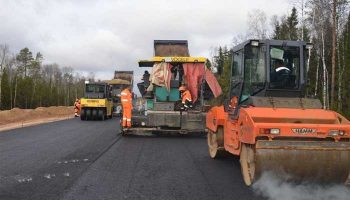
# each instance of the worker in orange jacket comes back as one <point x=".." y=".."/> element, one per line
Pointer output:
<point x="186" y="98"/>
<point x="77" y="108"/>
<point x="126" y="99"/>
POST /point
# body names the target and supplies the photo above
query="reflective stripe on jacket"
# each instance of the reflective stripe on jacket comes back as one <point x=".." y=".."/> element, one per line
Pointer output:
<point x="126" y="97"/>
<point x="186" y="96"/>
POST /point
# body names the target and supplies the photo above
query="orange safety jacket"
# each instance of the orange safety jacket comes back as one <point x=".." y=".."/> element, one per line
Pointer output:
<point x="77" y="105"/>
<point x="126" y="98"/>
<point x="186" y="95"/>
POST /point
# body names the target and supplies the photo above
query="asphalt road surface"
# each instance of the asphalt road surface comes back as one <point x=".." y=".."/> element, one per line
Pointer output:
<point x="75" y="159"/>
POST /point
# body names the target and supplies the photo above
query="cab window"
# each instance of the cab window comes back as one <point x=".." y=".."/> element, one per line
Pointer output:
<point x="237" y="64"/>
<point x="284" y="67"/>
<point x="236" y="73"/>
<point x="95" y="88"/>
<point x="254" y="71"/>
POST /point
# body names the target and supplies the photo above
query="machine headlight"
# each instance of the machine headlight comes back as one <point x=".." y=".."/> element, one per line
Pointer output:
<point x="341" y="133"/>
<point x="336" y="132"/>
<point x="273" y="131"/>
<point x="254" y="43"/>
<point x="309" y="46"/>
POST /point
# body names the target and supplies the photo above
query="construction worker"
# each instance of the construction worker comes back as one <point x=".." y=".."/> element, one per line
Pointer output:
<point x="233" y="102"/>
<point x="281" y="76"/>
<point x="126" y="99"/>
<point x="77" y="108"/>
<point x="186" y="98"/>
<point x="277" y="69"/>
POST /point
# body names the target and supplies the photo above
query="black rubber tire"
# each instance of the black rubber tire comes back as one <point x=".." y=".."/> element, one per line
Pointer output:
<point x="94" y="114"/>
<point x="88" y="114"/>
<point x="101" y="114"/>
<point x="83" y="114"/>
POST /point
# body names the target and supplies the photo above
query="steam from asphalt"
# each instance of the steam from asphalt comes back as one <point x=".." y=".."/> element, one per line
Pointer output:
<point x="275" y="188"/>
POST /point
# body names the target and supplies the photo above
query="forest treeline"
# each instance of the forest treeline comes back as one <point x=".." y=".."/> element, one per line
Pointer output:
<point x="325" y="24"/>
<point x="25" y="82"/>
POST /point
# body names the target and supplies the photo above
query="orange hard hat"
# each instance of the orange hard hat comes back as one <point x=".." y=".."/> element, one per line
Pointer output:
<point x="182" y="88"/>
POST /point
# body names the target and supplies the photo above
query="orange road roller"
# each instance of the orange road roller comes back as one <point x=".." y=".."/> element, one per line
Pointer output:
<point x="271" y="124"/>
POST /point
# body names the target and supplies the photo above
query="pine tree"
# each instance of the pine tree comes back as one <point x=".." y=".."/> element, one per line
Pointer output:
<point x="287" y="29"/>
<point x="292" y="23"/>
<point x="277" y="31"/>
<point x="219" y="61"/>
<point x="25" y="58"/>
<point x="5" y="88"/>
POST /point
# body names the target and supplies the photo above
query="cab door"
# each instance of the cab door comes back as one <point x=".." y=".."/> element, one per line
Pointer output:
<point x="236" y="74"/>
<point x="254" y="72"/>
<point x="231" y="140"/>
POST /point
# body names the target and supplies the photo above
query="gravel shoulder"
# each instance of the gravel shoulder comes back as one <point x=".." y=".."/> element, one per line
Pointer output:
<point x="19" y="118"/>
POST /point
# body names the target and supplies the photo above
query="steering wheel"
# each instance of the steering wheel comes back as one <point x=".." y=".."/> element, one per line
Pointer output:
<point x="282" y="77"/>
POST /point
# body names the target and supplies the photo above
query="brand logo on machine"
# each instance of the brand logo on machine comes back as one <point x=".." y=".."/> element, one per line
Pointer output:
<point x="92" y="101"/>
<point x="303" y="130"/>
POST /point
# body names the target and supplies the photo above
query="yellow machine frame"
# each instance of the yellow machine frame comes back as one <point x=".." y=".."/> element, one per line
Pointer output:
<point x="157" y="59"/>
<point x="97" y="103"/>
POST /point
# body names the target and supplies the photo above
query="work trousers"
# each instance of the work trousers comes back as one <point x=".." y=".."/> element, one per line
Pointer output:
<point x="126" y="116"/>
<point x="76" y="111"/>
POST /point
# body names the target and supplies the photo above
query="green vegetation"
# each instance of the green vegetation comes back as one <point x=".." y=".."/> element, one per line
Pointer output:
<point x="27" y="83"/>
<point x="324" y="23"/>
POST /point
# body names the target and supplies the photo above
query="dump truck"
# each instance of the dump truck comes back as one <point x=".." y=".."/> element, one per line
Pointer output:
<point x="121" y="79"/>
<point x="97" y="103"/>
<point x="271" y="124"/>
<point x="171" y="67"/>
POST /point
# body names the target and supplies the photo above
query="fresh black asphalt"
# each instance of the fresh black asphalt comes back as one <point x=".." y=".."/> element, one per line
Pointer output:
<point x="75" y="159"/>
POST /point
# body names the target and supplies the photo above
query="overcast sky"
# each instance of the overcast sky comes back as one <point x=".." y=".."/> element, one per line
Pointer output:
<point x="107" y="35"/>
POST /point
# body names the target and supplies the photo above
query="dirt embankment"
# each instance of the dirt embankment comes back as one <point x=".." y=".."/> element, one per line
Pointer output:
<point x="17" y="117"/>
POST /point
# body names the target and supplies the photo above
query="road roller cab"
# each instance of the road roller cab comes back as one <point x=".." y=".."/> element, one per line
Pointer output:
<point x="97" y="102"/>
<point x="269" y="123"/>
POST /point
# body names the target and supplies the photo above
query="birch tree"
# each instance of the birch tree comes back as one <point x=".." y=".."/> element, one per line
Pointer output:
<point x="334" y="47"/>
<point x="257" y="24"/>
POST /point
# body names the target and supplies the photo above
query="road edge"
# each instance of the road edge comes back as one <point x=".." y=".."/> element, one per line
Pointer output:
<point x="22" y="124"/>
